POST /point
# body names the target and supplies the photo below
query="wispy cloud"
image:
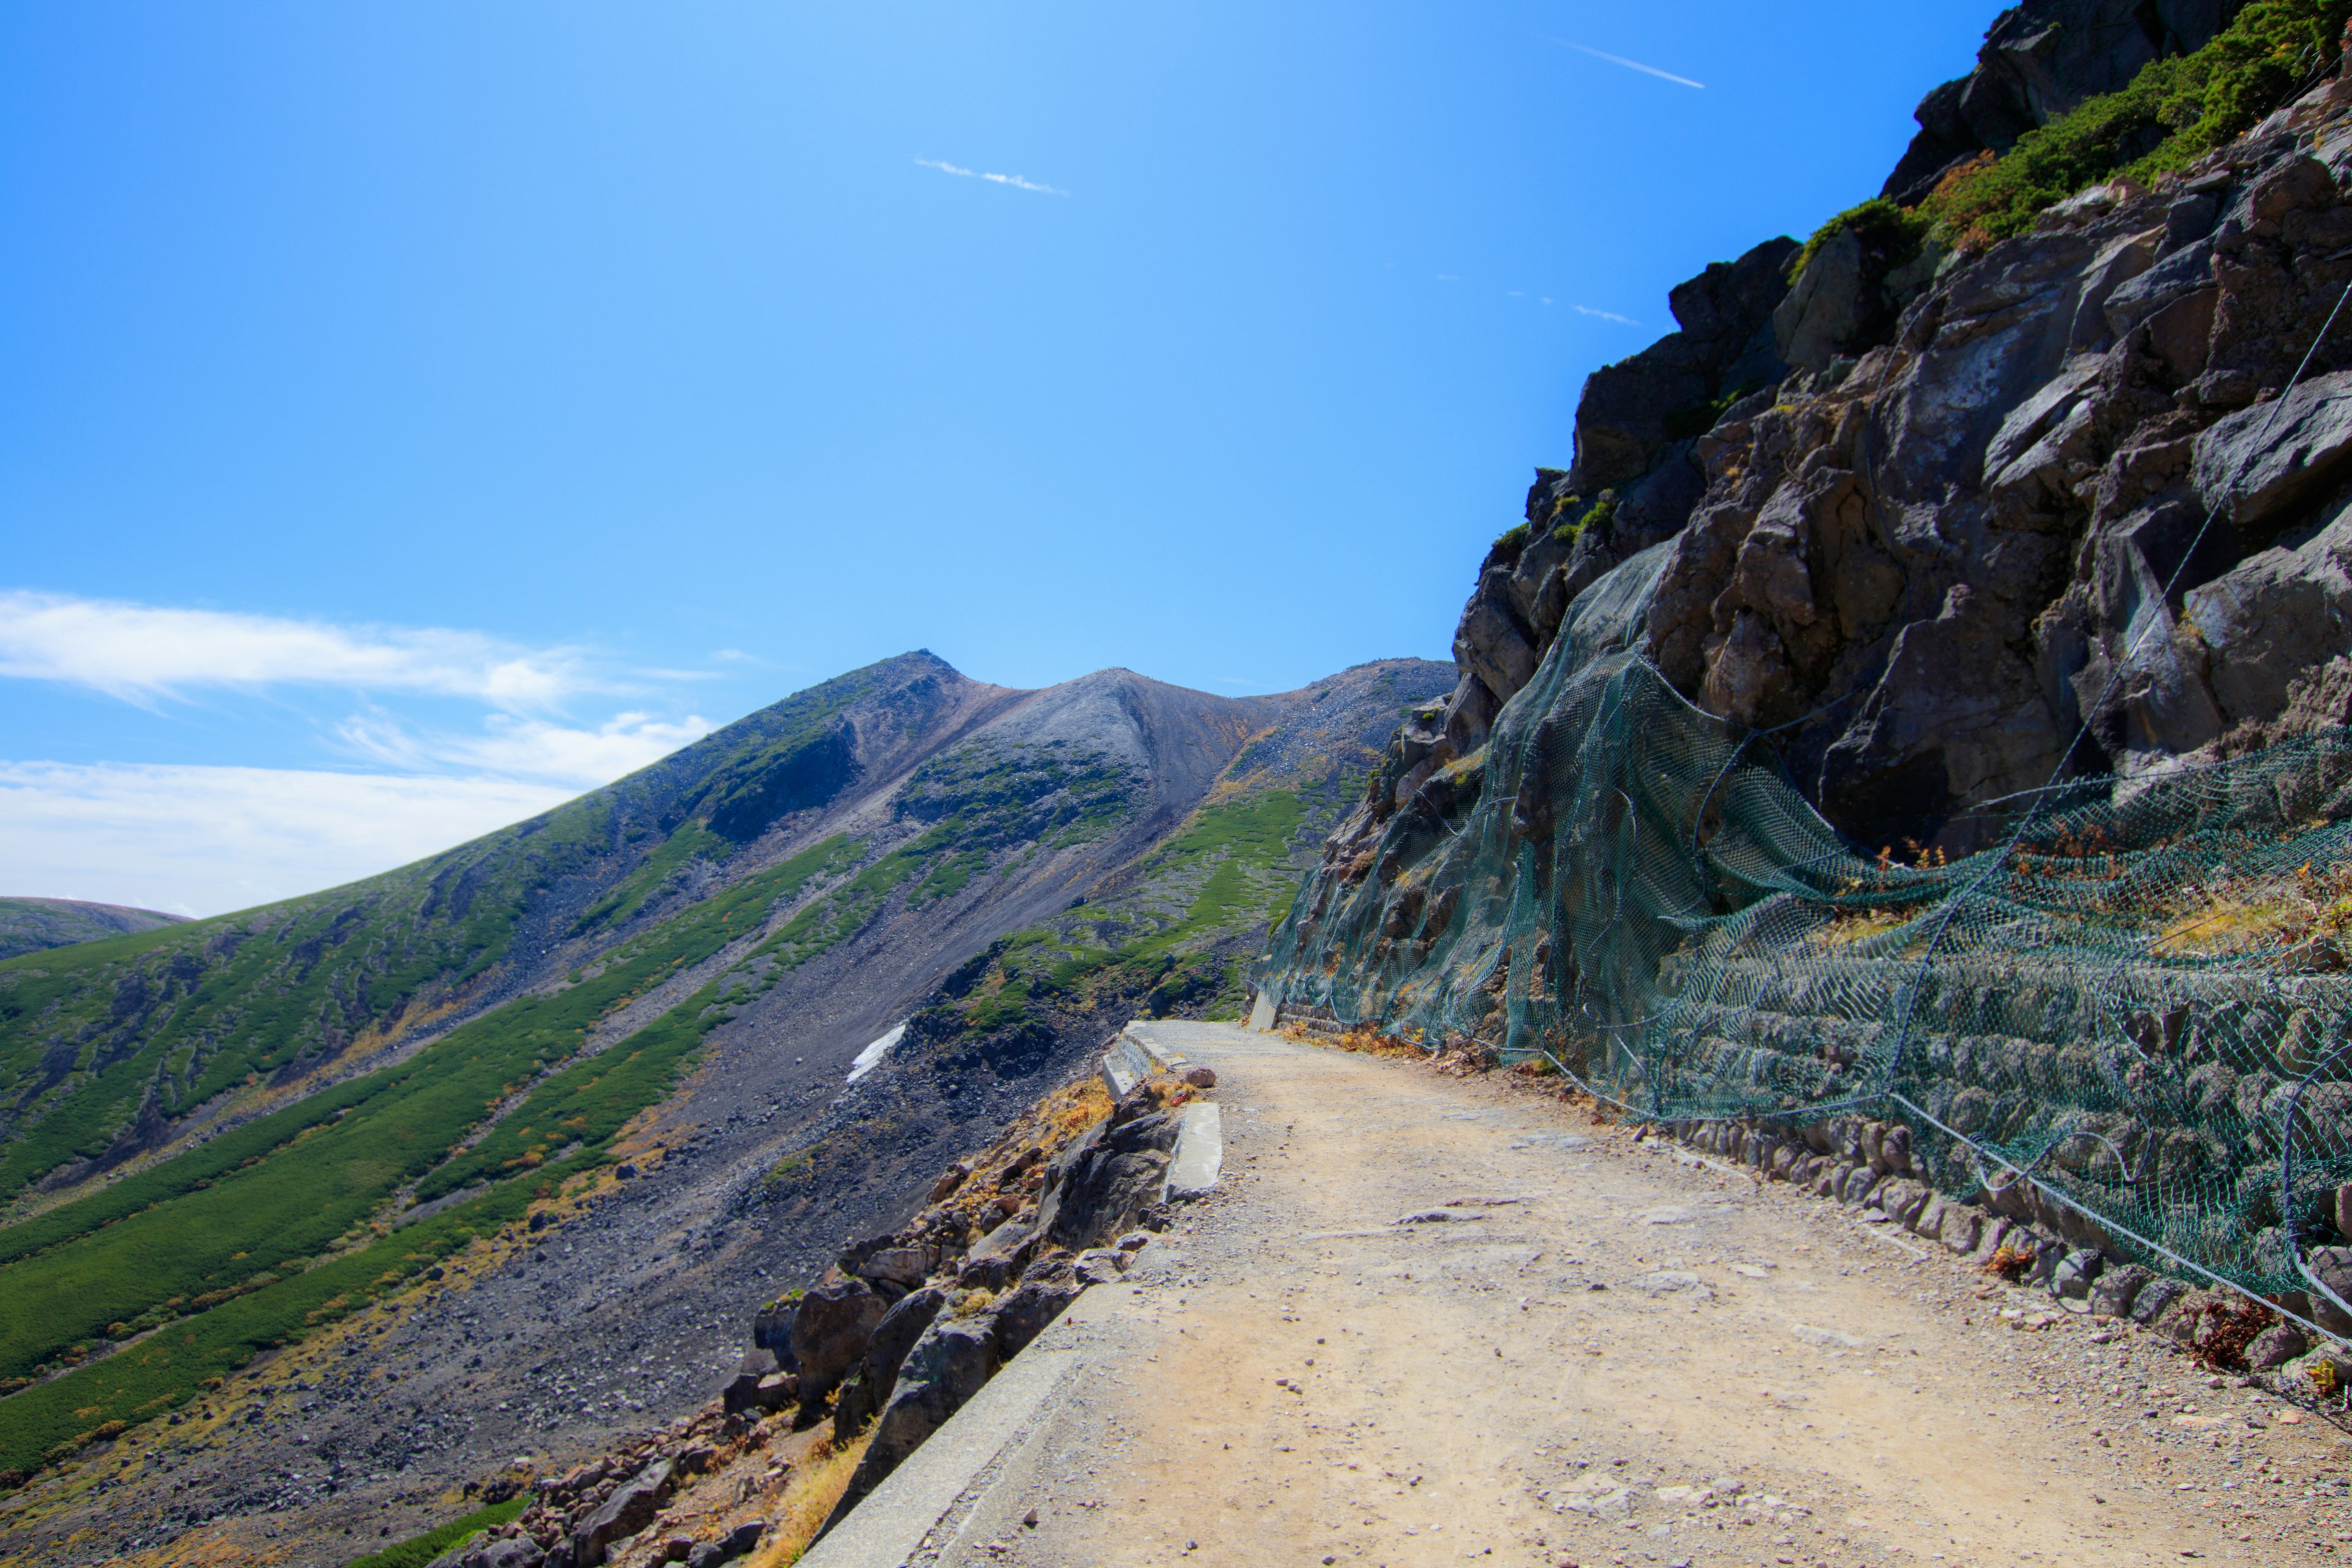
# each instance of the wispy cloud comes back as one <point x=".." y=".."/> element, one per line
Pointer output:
<point x="1016" y="181"/>
<point x="143" y="652"/>
<point x="205" y="840"/>
<point x="1602" y="315"/>
<point x="1630" y="65"/>
<point x="525" y="748"/>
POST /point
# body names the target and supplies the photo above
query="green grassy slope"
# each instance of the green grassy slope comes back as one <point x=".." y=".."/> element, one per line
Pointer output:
<point x="28" y="925"/>
<point x="104" y="1044"/>
<point x="278" y="1227"/>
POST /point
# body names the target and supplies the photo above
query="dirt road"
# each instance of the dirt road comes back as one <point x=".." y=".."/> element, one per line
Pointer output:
<point x="1604" y="1352"/>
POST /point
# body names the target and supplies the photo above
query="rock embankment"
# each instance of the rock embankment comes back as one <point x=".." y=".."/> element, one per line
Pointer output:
<point x="848" y="1376"/>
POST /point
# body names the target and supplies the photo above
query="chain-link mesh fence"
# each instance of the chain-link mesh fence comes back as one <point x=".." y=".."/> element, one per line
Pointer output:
<point x="2139" y="1003"/>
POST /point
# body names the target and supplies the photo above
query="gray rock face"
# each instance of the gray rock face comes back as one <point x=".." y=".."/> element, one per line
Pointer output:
<point x="2259" y="464"/>
<point x="831" y="1331"/>
<point x="2271" y="619"/>
<point x="945" y="1367"/>
<point x="629" y="1510"/>
<point x="878" y="1370"/>
<point x="1114" y="1181"/>
<point x="1973" y="543"/>
<point x="1625" y="415"/>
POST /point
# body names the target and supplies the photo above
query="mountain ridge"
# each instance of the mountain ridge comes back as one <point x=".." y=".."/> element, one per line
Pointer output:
<point x="29" y="925"/>
<point x="285" y="1114"/>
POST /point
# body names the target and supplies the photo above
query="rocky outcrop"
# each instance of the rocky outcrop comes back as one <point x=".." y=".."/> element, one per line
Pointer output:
<point x="629" y="1510"/>
<point x="2038" y="60"/>
<point x="2044" y="506"/>
<point x="906" y="1328"/>
<point x="1112" y="1182"/>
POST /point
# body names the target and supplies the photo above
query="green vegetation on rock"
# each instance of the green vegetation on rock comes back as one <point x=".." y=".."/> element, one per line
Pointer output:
<point x="419" y="1549"/>
<point x="2173" y="112"/>
<point x="220" y="1252"/>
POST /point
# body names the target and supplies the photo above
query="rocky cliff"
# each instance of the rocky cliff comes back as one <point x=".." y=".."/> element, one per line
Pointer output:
<point x="1737" y="809"/>
<point x="1933" y="517"/>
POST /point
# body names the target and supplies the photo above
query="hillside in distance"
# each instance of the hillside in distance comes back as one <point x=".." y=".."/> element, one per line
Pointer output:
<point x="29" y="925"/>
<point x="229" y="1139"/>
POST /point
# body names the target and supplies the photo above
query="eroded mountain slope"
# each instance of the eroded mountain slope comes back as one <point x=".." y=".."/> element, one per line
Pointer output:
<point x="751" y="920"/>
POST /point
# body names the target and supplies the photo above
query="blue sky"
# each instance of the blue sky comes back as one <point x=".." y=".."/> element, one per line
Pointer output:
<point x="412" y="414"/>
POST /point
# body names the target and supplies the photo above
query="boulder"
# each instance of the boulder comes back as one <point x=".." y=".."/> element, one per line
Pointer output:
<point x="1116" y="1180"/>
<point x="991" y="1273"/>
<point x="945" y="1367"/>
<point x="2113" y="1293"/>
<point x="1025" y="1314"/>
<point x="737" y="1542"/>
<point x="830" y="1332"/>
<point x="2334" y="1267"/>
<point x="742" y="1390"/>
<point x="515" y="1551"/>
<point x="772" y="1328"/>
<point x="2072" y="1280"/>
<point x="904" y="1267"/>
<point x="878" y="1371"/>
<point x="740" y="1394"/>
<point x="1961" y="1228"/>
<point x="2261" y="463"/>
<point x="2276" y="1346"/>
<point x="629" y="1510"/>
<point x="1100" y="1266"/>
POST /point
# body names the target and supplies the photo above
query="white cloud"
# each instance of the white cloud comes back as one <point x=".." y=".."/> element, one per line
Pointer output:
<point x="528" y="748"/>
<point x="1016" y="181"/>
<point x="1602" y="315"/>
<point x="1631" y="64"/>
<point x="205" y="840"/>
<point x="140" y="653"/>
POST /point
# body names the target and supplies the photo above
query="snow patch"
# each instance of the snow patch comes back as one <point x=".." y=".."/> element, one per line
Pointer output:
<point x="866" y="1061"/>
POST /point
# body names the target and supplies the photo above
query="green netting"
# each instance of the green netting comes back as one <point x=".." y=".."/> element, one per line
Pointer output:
<point x="2139" y="1007"/>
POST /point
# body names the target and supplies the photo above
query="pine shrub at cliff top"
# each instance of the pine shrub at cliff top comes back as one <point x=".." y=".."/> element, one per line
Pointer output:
<point x="2172" y="113"/>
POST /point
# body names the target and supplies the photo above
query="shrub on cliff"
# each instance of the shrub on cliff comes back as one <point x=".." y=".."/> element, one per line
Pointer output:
<point x="2172" y="113"/>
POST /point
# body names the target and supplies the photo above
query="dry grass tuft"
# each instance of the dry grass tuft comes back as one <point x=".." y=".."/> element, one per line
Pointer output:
<point x="2228" y="1332"/>
<point x="2009" y="1263"/>
<point x="1364" y="1041"/>
<point x="1853" y="925"/>
<point x="815" y="1486"/>
<point x="2306" y="913"/>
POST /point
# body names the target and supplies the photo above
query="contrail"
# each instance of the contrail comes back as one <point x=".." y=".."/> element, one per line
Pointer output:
<point x="1631" y="65"/>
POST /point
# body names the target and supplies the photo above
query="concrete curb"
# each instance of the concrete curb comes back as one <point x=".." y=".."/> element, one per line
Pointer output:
<point x="889" y="1527"/>
<point x="1158" y="1055"/>
<point x="1200" y="1153"/>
